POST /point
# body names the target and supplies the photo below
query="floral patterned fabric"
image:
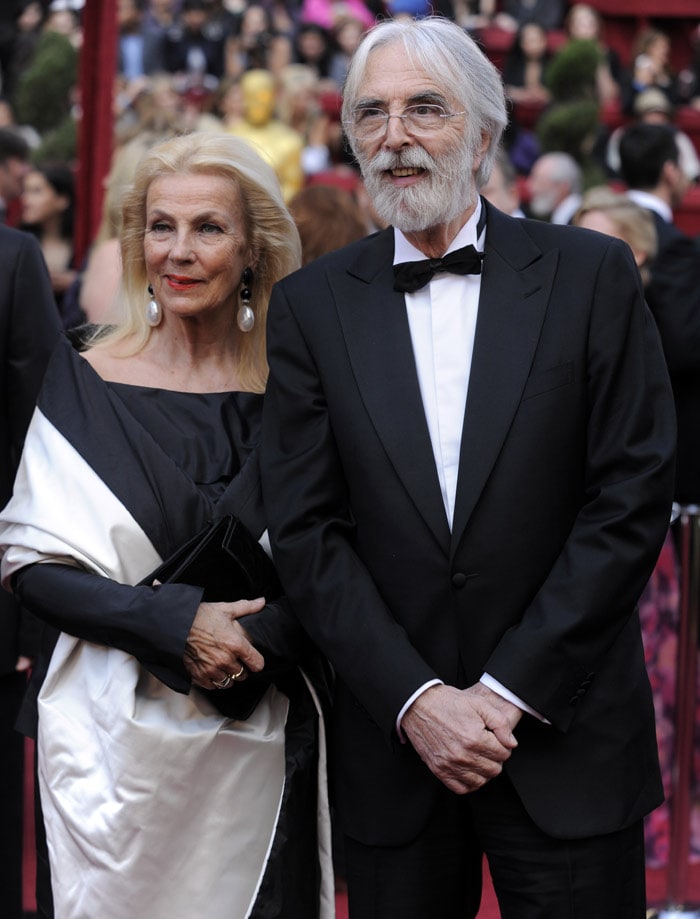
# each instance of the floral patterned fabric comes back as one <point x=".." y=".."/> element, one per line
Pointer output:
<point x="659" y="609"/>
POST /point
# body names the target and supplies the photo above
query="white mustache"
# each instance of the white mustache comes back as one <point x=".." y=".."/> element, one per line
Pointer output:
<point x="413" y="158"/>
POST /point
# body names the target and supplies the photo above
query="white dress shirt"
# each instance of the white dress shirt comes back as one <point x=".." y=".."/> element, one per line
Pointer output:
<point x="442" y="322"/>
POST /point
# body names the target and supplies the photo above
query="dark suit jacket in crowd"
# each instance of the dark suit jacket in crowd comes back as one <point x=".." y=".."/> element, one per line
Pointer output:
<point x="673" y="294"/>
<point x="29" y="328"/>
<point x="562" y="504"/>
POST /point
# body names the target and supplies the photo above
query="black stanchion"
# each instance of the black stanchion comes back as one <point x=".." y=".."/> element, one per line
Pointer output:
<point x="677" y="905"/>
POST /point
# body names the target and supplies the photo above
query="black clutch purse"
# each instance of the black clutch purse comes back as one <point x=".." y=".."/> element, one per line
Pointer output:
<point x="229" y="564"/>
<point x="225" y="561"/>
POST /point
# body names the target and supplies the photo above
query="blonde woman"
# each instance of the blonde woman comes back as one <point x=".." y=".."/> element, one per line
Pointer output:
<point x="179" y="745"/>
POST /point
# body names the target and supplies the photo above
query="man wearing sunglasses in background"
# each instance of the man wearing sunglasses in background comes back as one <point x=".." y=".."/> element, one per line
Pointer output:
<point x="468" y="467"/>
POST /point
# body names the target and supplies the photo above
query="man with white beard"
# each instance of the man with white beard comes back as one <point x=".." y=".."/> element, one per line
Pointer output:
<point x="467" y="461"/>
<point x="555" y="184"/>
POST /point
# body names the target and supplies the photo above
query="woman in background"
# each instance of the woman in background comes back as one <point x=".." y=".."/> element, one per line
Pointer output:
<point x="48" y="207"/>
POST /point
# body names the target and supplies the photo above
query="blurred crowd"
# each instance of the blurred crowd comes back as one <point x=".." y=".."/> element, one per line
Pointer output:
<point x="272" y="71"/>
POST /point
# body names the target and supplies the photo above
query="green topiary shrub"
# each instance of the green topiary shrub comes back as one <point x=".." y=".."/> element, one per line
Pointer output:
<point x="572" y="127"/>
<point x="43" y="97"/>
<point x="572" y="72"/>
<point x="59" y="145"/>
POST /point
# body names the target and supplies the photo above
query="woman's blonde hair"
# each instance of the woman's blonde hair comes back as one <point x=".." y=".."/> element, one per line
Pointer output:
<point x="269" y="230"/>
<point x="633" y="223"/>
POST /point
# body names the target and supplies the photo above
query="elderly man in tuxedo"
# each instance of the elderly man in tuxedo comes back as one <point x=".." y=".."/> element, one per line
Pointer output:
<point x="468" y="469"/>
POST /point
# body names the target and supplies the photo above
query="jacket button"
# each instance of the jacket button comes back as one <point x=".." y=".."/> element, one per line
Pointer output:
<point x="459" y="579"/>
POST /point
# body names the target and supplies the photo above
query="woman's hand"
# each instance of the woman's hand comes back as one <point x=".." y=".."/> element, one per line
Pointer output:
<point x="217" y="646"/>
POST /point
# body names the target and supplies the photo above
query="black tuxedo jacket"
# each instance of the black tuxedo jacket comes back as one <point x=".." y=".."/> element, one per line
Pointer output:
<point x="673" y="295"/>
<point x="563" y="500"/>
<point x="29" y="328"/>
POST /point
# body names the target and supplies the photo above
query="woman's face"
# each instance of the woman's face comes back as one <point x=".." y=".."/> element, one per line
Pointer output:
<point x="533" y="40"/>
<point x="195" y="244"/>
<point x="583" y="23"/>
<point x="40" y="200"/>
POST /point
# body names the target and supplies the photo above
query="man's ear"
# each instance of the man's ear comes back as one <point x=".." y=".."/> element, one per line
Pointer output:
<point x="481" y="150"/>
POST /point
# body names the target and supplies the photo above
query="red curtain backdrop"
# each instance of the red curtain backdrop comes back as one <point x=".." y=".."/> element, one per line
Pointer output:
<point x="98" y="64"/>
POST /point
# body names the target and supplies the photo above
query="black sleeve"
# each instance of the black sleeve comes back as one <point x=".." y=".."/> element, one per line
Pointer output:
<point x="278" y="635"/>
<point x="151" y="623"/>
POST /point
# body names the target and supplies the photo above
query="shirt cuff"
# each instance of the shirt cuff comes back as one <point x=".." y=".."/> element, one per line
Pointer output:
<point x="506" y="694"/>
<point x="409" y="702"/>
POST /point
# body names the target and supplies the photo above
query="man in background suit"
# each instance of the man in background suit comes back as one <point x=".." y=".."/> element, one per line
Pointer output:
<point x="29" y="328"/>
<point x="555" y="184"/>
<point x="650" y="166"/>
<point x="468" y="478"/>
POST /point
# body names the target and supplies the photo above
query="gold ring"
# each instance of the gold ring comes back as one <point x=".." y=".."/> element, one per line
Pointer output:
<point x="235" y="676"/>
<point x="225" y="683"/>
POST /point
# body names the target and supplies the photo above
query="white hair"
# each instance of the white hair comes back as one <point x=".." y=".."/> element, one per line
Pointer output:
<point x="445" y="52"/>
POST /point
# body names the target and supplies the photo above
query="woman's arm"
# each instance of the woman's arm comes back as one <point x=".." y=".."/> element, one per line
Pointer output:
<point x="151" y="623"/>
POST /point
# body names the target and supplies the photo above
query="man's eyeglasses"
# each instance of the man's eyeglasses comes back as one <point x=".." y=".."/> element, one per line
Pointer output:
<point x="367" y="123"/>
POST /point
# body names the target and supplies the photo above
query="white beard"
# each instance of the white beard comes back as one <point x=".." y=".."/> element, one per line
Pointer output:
<point x="543" y="205"/>
<point x="442" y="194"/>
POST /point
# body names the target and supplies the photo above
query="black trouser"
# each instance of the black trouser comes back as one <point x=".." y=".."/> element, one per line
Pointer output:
<point x="535" y="876"/>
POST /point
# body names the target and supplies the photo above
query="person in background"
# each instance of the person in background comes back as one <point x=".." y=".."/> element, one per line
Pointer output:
<point x="650" y="167"/>
<point x="651" y="67"/>
<point x="526" y="65"/>
<point x="616" y="214"/>
<point x="299" y="107"/>
<point x="467" y="465"/>
<point x="48" y="206"/>
<point x="29" y="328"/>
<point x="555" y="184"/>
<point x="502" y="187"/>
<point x="160" y="15"/>
<point x="14" y="165"/>
<point x="651" y="106"/>
<point x="347" y="32"/>
<point x="64" y="18"/>
<point x="101" y="276"/>
<point x="194" y="48"/>
<point x="512" y="14"/>
<point x="8" y="119"/>
<point x="179" y="745"/>
<point x="31" y="16"/>
<point x="313" y="46"/>
<point x="258" y="44"/>
<point x="327" y="218"/>
<point x="585" y="22"/>
<point x="140" y="47"/>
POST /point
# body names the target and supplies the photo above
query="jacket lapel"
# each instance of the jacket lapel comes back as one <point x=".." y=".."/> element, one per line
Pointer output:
<point x="375" y="327"/>
<point x="515" y="289"/>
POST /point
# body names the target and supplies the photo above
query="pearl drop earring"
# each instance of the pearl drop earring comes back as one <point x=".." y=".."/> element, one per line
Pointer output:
<point x="154" y="314"/>
<point x="246" y="317"/>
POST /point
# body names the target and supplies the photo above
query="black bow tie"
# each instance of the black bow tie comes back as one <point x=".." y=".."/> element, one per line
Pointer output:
<point x="411" y="276"/>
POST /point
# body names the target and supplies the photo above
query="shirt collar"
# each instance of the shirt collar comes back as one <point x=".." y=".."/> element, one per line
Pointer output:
<point x="651" y="203"/>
